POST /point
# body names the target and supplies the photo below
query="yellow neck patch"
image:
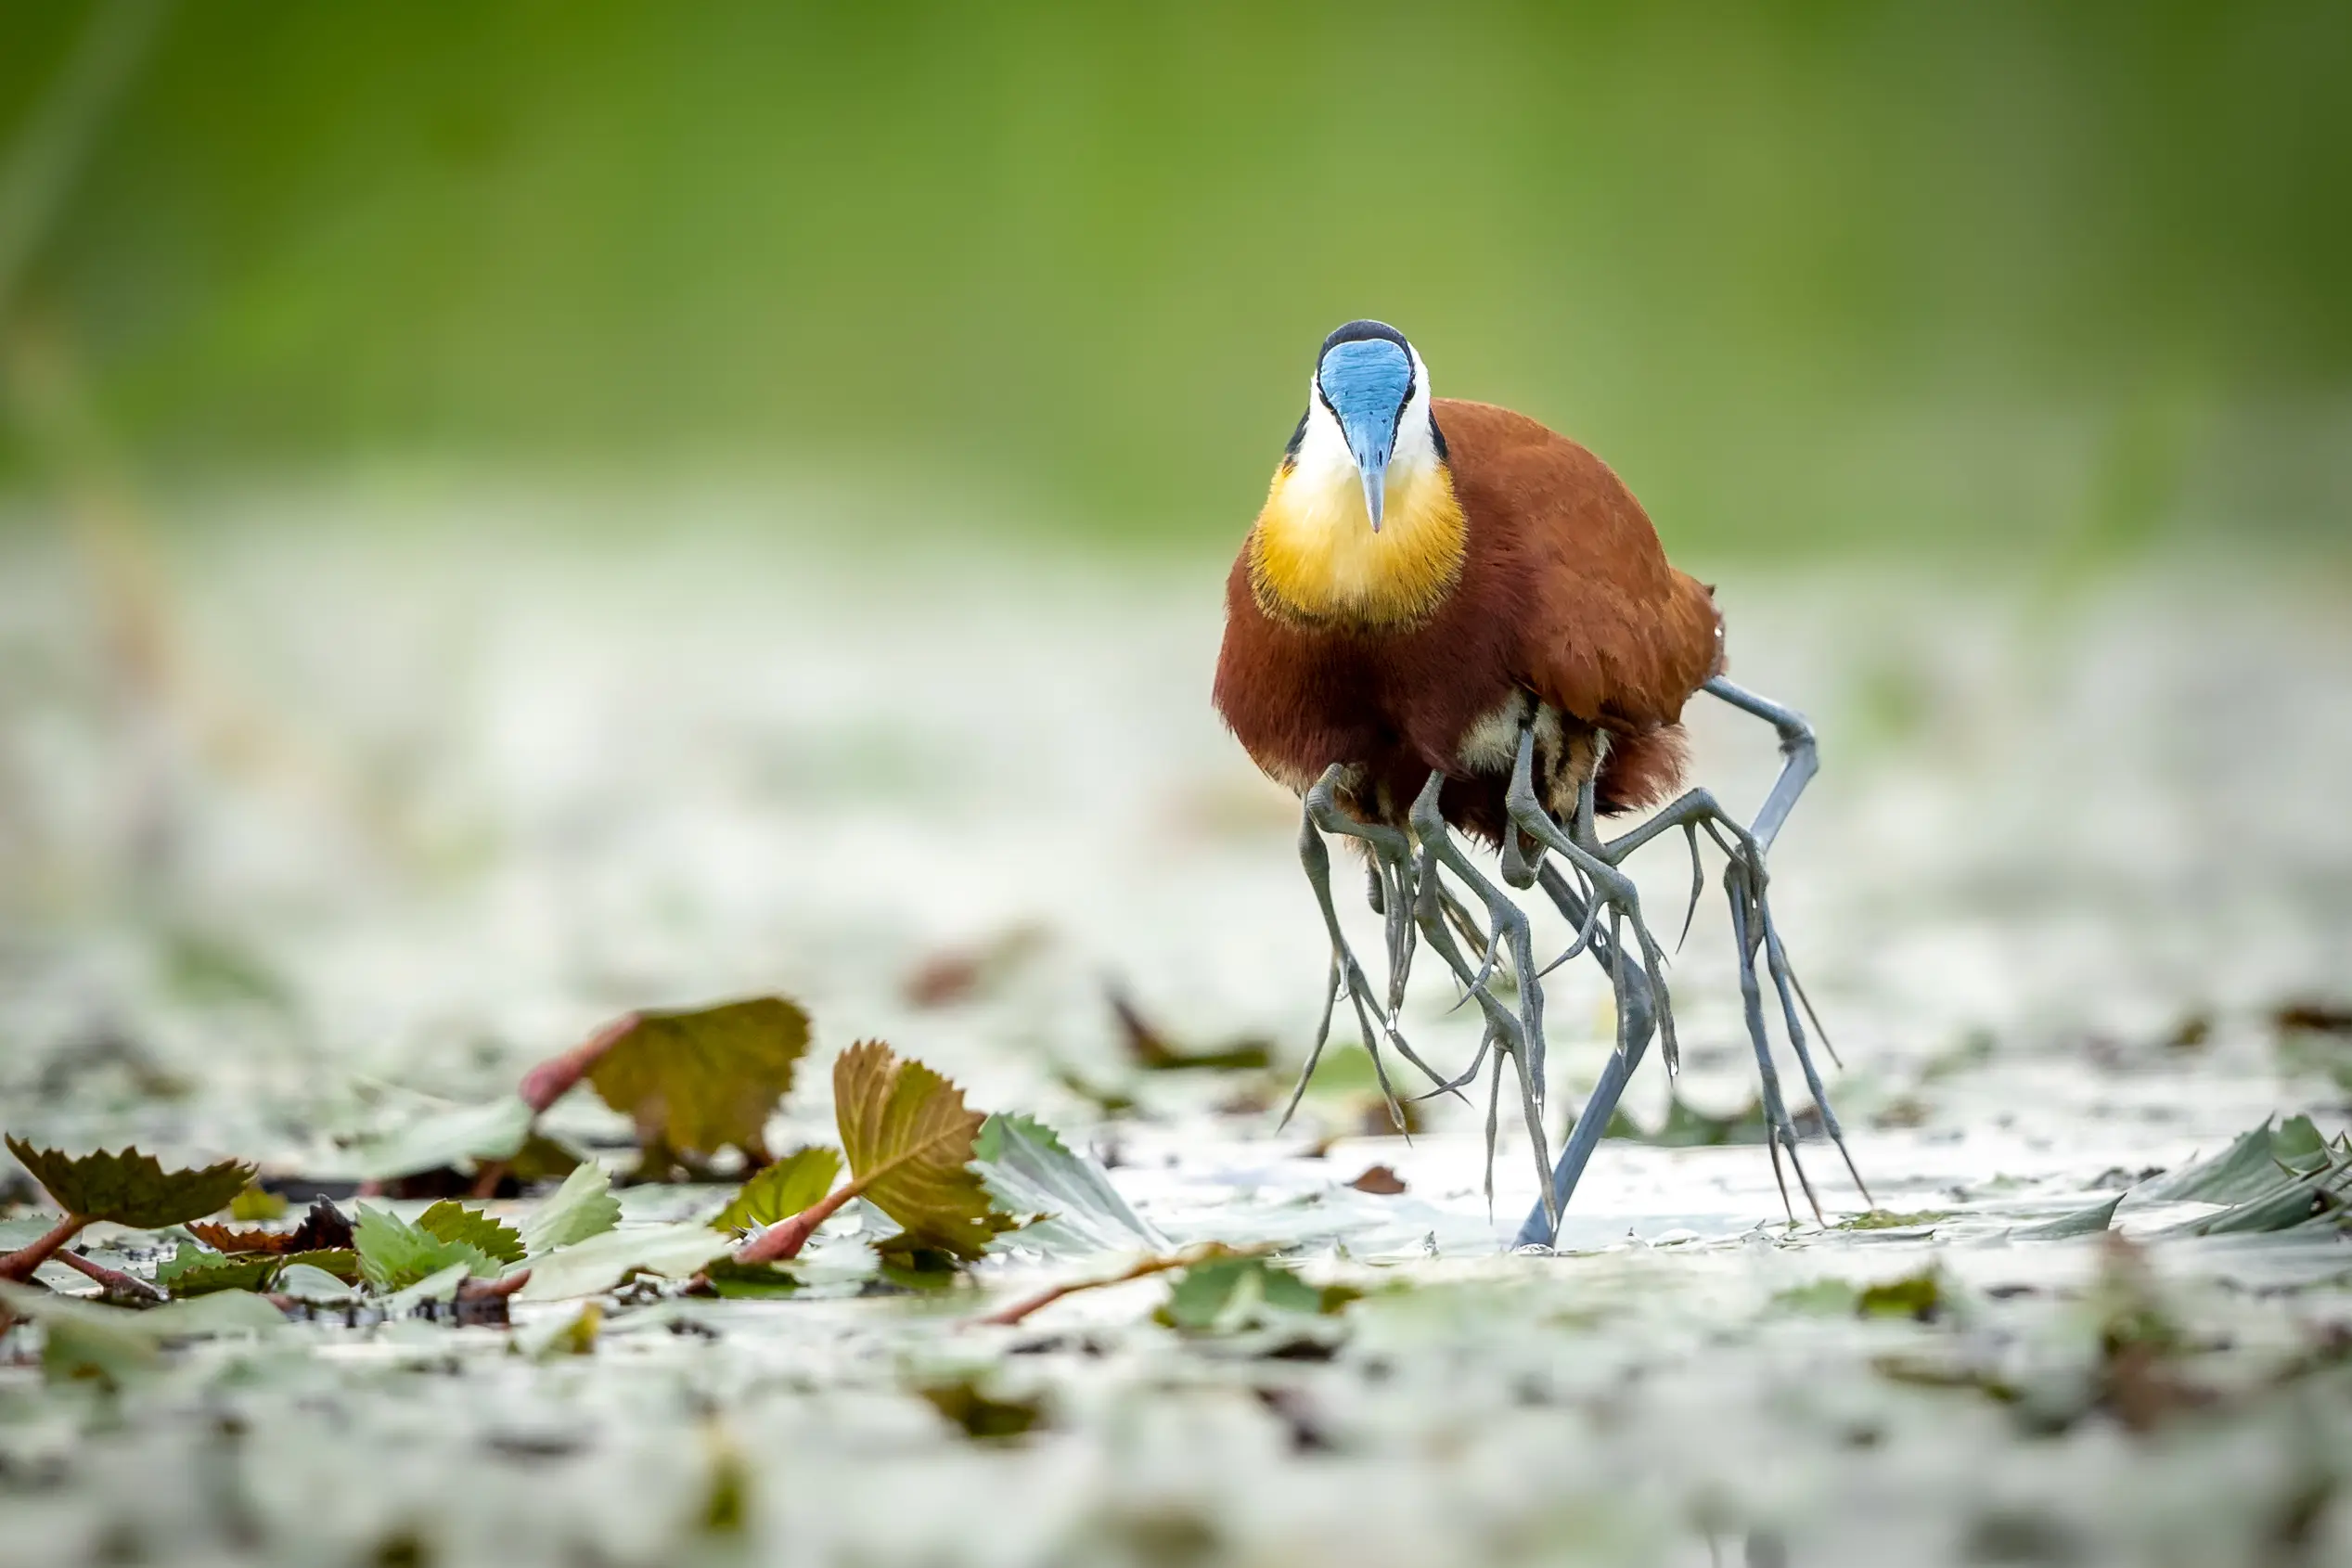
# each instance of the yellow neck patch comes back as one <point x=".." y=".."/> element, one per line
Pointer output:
<point x="1313" y="555"/>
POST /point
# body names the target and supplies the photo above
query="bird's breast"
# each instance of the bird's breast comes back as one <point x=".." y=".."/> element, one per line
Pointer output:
<point x="1314" y="558"/>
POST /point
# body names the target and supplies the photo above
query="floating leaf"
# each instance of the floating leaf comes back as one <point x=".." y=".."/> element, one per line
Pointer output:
<point x="575" y="1335"/>
<point x="1828" y="1297"/>
<point x="324" y="1228"/>
<point x="441" y="1285"/>
<point x="256" y="1202"/>
<point x="2082" y="1222"/>
<point x="130" y="1188"/>
<point x="704" y="1078"/>
<point x="904" y="1262"/>
<point x="452" y="1221"/>
<point x="909" y="1140"/>
<point x="394" y="1255"/>
<point x="581" y="1207"/>
<point x="754" y="1281"/>
<point x="1888" y="1219"/>
<point x="193" y="1271"/>
<point x="1918" y="1296"/>
<point x="306" y="1282"/>
<point x="464" y="1135"/>
<point x="780" y="1190"/>
<point x="2250" y="1167"/>
<point x="1028" y="1170"/>
<point x="1380" y="1180"/>
<point x="1238" y="1294"/>
<point x="2286" y="1204"/>
<point x="114" y="1344"/>
<point x="340" y="1262"/>
<point x="601" y="1262"/>
<point x="982" y="1416"/>
<point x="1152" y="1051"/>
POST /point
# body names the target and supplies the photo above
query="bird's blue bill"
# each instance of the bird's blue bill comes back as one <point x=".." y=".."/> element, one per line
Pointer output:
<point x="1366" y="383"/>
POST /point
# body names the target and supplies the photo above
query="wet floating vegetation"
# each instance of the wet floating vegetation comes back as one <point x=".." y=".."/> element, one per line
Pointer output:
<point x="947" y="1193"/>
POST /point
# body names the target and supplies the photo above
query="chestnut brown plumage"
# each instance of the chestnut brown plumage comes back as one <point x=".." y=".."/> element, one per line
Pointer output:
<point x="1449" y="617"/>
<point x="1565" y="599"/>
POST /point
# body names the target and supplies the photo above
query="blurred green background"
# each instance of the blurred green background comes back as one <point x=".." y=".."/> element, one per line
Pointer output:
<point x="1981" y="277"/>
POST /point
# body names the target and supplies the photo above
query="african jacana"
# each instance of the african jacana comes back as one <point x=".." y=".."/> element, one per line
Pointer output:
<point x="1448" y="617"/>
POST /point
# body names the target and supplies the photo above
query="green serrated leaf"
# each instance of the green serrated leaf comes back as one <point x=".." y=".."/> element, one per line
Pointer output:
<point x="705" y="1078"/>
<point x="909" y="1140"/>
<point x="782" y="1189"/>
<point x="130" y="1188"/>
<point x="1027" y="1169"/>
<point x="581" y="1207"/>
<point x="394" y="1253"/>
<point x="453" y="1221"/>
<point x="197" y="1271"/>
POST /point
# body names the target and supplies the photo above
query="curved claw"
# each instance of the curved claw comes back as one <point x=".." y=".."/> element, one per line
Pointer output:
<point x="1698" y="885"/>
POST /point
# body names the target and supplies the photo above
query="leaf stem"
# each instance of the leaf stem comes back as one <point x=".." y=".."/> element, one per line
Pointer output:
<point x="549" y="1082"/>
<point x="786" y="1237"/>
<point x="1160" y="1262"/>
<point x="113" y="1280"/>
<point x="18" y="1265"/>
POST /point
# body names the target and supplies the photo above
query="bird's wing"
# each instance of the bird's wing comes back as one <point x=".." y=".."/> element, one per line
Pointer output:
<point x="1607" y="630"/>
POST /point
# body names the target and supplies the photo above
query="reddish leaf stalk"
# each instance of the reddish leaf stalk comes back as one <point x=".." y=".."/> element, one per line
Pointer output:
<point x="18" y="1265"/>
<point x="549" y="1082"/>
<point x="786" y="1237"/>
<point x="113" y="1280"/>
<point x="1207" y="1252"/>
<point x="504" y="1285"/>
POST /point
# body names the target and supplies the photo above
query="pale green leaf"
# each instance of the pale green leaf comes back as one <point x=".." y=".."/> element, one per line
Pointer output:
<point x="1028" y="1170"/>
<point x="601" y="1262"/>
<point x="464" y="1135"/>
<point x="581" y="1207"/>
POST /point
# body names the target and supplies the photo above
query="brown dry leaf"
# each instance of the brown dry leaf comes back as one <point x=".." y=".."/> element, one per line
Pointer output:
<point x="1151" y="1050"/>
<point x="702" y="1079"/>
<point x="909" y="1136"/>
<point x="324" y="1229"/>
<point x="1379" y="1179"/>
<point x="957" y="974"/>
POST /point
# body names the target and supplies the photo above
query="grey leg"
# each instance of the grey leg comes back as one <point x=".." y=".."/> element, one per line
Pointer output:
<point x="1641" y="1005"/>
<point x="1638" y="1021"/>
<point x="1800" y="758"/>
<point x="1393" y="866"/>
<point x="1516" y="1035"/>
